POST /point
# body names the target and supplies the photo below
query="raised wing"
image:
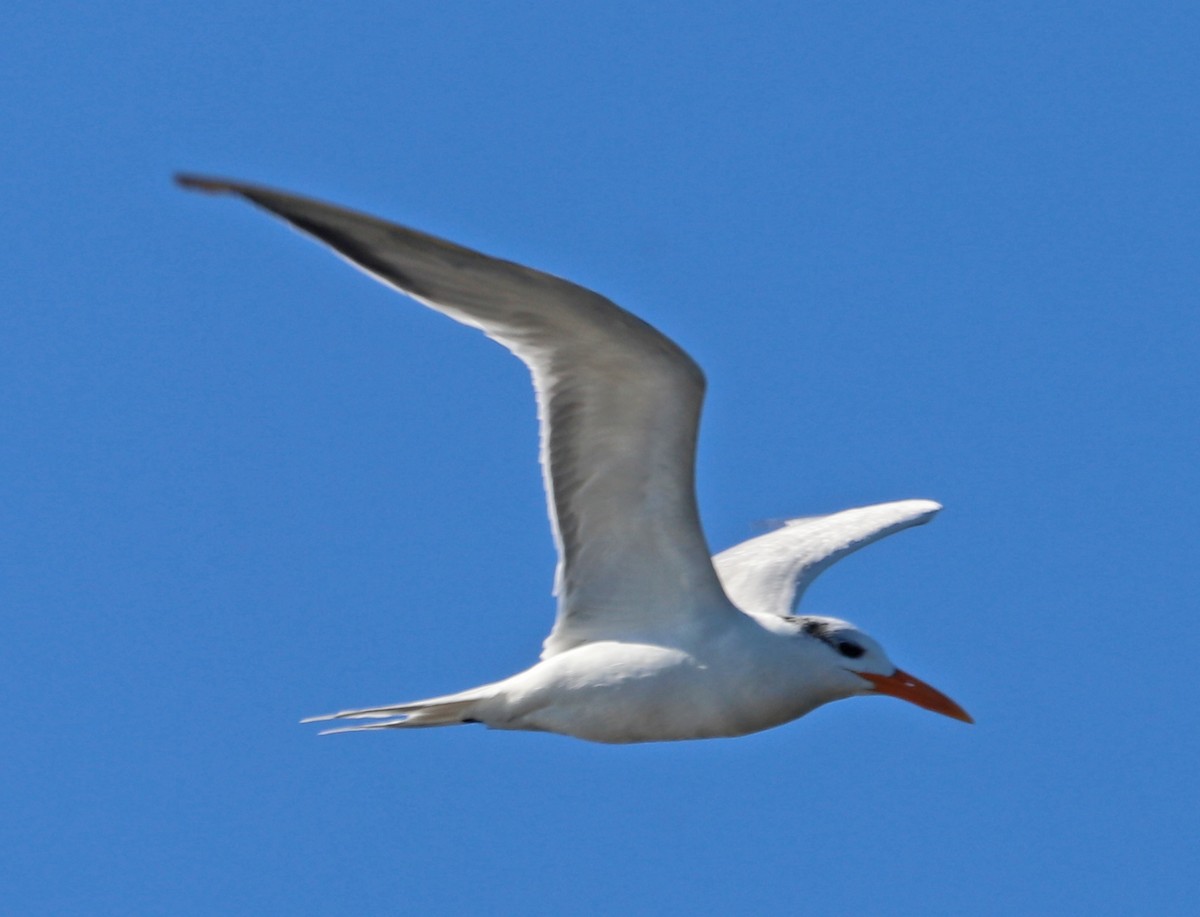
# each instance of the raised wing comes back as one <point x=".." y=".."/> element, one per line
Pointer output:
<point x="619" y="405"/>
<point x="769" y="574"/>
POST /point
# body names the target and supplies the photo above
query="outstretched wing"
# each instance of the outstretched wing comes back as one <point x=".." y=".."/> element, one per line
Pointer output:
<point x="769" y="574"/>
<point x="619" y="405"/>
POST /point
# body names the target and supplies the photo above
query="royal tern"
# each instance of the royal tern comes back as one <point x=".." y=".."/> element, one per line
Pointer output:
<point x="653" y="639"/>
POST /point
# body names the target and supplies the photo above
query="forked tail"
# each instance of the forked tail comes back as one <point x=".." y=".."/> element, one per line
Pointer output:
<point x="450" y="710"/>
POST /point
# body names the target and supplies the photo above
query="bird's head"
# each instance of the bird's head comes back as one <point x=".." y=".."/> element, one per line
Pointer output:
<point x="860" y="665"/>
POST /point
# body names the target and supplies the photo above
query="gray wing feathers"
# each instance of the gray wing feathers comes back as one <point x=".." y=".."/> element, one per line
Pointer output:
<point x="619" y="405"/>
<point x="769" y="574"/>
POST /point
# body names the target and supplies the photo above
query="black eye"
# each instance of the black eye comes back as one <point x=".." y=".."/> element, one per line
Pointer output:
<point x="850" y="650"/>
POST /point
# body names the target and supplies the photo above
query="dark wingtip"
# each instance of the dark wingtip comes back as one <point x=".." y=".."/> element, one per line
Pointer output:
<point x="201" y="183"/>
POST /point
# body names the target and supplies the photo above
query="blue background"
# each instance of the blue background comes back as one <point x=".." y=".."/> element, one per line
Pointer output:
<point x="922" y="250"/>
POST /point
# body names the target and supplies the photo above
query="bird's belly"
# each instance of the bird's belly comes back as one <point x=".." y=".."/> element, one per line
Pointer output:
<point x="621" y="693"/>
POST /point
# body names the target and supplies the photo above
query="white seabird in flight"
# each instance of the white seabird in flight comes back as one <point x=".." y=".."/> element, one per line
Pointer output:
<point x="653" y="639"/>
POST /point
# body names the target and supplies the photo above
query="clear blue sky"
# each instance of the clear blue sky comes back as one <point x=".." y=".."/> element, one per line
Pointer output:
<point x="922" y="250"/>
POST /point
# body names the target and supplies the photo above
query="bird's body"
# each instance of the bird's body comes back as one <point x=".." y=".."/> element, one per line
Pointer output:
<point x="743" y="678"/>
<point x="654" y="640"/>
<point x="640" y="692"/>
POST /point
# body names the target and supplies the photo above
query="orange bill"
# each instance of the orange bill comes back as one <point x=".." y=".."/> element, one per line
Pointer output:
<point x="904" y="686"/>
